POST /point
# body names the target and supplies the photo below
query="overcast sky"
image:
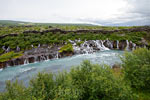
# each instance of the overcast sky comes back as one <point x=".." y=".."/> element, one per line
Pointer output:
<point x="100" y="12"/>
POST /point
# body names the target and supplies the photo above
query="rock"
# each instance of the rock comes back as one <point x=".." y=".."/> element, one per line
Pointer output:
<point x="116" y="66"/>
<point x="115" y="44"/>
<point x="143" y="42"/>
<point x="44" y="52"/>
<point x="109" y="44"/>
<point x="122" y="44"/>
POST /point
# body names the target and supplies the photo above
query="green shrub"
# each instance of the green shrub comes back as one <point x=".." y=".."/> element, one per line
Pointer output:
<point x="79" y="43"/>
<point x="85" y="82"/>
<point x="66" y="48"/>
<point x="1" y="51"/>
<point x="99" y="83"/>
<point x="137" y="68"/>
<point x="9" y="55"/>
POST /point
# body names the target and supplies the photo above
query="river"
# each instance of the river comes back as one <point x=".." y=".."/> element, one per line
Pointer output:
<point x="26" y="72"/>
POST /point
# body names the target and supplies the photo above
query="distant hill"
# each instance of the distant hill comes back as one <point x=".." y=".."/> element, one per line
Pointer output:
<point x="11" y="22"/>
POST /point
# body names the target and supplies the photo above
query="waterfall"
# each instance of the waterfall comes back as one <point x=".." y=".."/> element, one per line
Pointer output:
<point x="35" y="58"/>
<point x="100" y="45"/>
<point x="32" y="46"/>
<point x="42" y="58"/>
<point x="110" y="45"/>
<point x="89" y="46"/>
<point x="47" y="57"/>
<point x="103" y="47"/>
<point x="117" y="44"/>
<point x="75" y="47"/>
<point x="127" y="47"/>
<point x="7" y="65"/>
<point x="57" y="55"/>
<point x="133" y="46"/>
<point x="1" y="69"/>
<point x="86" y="48"/>
<point x="39" y="45"/>
<point x="18" y="49"/>
<point x="26" y="61"/>
<point x="8" y="49"/>
<point x="3" y="47"/>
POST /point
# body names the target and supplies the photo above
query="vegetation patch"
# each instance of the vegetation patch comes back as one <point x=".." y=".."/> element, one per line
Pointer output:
<point x="137" y="68"/>
<point x="25" y="41"/>
<point x="9" y="56"/>
<point x="66" y="48"/>
<point x="85" y="82"/>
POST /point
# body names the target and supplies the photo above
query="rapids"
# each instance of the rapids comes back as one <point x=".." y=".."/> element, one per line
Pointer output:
<point x="27" y="71"/>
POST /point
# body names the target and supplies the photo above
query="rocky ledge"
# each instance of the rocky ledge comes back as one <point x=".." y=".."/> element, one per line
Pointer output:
<point x="100" y="31"/>
<point x="45" y="52"/>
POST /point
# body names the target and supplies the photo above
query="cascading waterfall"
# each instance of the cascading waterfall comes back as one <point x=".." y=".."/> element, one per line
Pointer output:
<point x="100" y="45"/>
<point x="8" y="49"/>
<point x="103" y="47"/>
<point x="47" y="57"/>
<point x="7" y="65"/>
<point x="117" y="44"/>
<point x="18" y="49"/>
<point x="86" y="48"/>
<point x="57" y="55"/>
<point x="42" y="58"/>
<point x="39" y="45"/>
<point x="1" y="69"/>
<point x="35" y="58"/>
<point x="127" y="46"/>
<point x="26" y="61"/>
<point x="133" y="46"/>
<point x="110" y="45"/>
<point x="75" y="47"/>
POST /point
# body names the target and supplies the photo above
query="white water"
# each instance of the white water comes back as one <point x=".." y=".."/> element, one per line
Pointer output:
<point x="109" y="44"/>
<point x="117" y="44"/>
<point x="85" y="47"/>
<point x="57" y="55"/>
<point x="1" y="69"/>
<point x="100" y="45"/>
<point x="27" y="71"/>
<point x="127" y="47"/>
<point x="26" y="61"/>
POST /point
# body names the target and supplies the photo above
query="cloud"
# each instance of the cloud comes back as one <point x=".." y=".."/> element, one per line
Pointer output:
<point x="100" y="12"/>
<point x="136" y="12"/>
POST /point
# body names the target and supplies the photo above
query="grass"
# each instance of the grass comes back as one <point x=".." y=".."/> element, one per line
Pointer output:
<point x="9" y="56"/>
<point x="66" y="48"/>
<point x="8" y="26"/>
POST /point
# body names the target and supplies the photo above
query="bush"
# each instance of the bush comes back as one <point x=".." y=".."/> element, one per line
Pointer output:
<point x="10" y="55"/>
<point x="66" y="48"/>
<point x="137" y="68"/>
<point x="85" y="82"/>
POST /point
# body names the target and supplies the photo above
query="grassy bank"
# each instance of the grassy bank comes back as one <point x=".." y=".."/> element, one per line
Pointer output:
<point x="9" y="56"/>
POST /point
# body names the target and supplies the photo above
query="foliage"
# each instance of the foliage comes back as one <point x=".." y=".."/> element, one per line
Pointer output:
<point x="85" y="82"/>
<point x="1" y="51"/>
<point x="143" y="95"/>
<point x="24" y="41"/>
<point x="9" y="56"/>
<point x="66" y="48"/>
<point x="79" y="43"/>
<point x="136" y="67"/>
